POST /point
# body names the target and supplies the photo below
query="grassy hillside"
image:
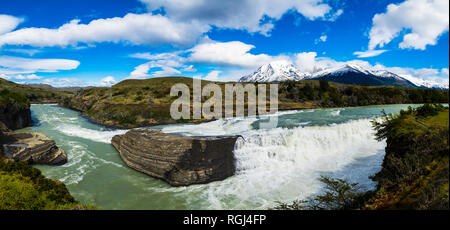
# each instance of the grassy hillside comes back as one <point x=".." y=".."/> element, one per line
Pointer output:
<point x="415" y="173"/>
<point x="133" y="103"/>
<point x="33" y="94"/>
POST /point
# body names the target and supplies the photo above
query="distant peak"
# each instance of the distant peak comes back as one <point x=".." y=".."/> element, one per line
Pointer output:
<point x="275" y="71"/>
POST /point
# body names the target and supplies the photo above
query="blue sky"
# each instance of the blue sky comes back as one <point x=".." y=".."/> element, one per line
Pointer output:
<point x="100" y="42"/>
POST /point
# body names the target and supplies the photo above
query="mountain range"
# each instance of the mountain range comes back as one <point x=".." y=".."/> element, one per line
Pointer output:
<point x="279" y="71"/>
<point x="72" y="89"/>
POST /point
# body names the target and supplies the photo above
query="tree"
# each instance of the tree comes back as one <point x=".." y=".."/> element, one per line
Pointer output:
<point x="338" y="194"/>
<point x="324" y="85"/>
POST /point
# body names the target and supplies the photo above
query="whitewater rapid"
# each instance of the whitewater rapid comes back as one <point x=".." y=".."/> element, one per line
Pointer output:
<point x="284" y="164"/>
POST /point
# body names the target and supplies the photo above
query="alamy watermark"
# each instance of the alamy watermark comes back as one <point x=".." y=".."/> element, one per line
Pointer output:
<point x="237" y="97"/>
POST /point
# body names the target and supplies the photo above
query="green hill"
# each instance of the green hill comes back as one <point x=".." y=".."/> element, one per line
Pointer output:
<point x="134" y="103"/>
<point x="33" y="94"/>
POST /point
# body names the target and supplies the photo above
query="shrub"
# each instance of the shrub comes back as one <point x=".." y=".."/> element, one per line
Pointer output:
<point x="20" y="193"/>
<point x="429" y="110"/>
<point x="339" y="194"/>
<point x="55" y="191"/>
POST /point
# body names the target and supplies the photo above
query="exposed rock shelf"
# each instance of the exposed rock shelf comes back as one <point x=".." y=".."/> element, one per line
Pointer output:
<point x="34" y="148"/>
<point x="178" y="160"/>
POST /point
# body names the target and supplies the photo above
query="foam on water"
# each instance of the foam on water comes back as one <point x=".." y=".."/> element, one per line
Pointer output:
<point x="104" y="136"/>
<point x="335" y="113"/>
<point x="213" y="128"/>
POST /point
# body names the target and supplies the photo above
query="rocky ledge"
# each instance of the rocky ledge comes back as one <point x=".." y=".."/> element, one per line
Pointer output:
<point x="15" y="118"/>
<point x="34" y="148"/>
<point x="178" y="160"/>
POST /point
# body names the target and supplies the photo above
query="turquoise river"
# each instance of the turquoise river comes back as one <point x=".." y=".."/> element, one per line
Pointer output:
<point x="278" y="164"/>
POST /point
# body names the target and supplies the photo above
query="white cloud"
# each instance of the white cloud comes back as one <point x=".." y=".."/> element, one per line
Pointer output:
<point x="136" y="29"/>
<point x="9" y="64"/>
<point x="336" y="15"/>
<point x="305" y="62"/>
<point x="140" y="72"/>
<point x="246" y="15"/>
<point x="166" y="71"/>
<point x="322" y="38"/>
<point x="230" y="54"/>
<point x="181" y="24"/>
<point x="368" y="53"/>
<point x="62" y="82"/>
<point x="29" y="52"/>
<point x="234" y="53"/>
<point x="190" y="68"/>
<point x="108" y="81"/>
<point x="164" y="64"/>
<point x="26" y="77"/>
<point x="8" y="23"/>
<point x="213" y="75"/>
<point x="422" y="22"/>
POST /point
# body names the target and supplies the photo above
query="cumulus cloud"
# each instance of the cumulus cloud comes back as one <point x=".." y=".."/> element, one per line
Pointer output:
<point x="368" y="53"/>
<point x="213" y="75"/>
<point x="305" y="62"/>
<point x="108" y="81"/>
<point x="227" y="54"/>
<point x="137" y="29"/>
<point x="421" y="21"/>
<point x="246" y="15"/>
<point x="234" y="53"/>
<point x="8" y="23"/>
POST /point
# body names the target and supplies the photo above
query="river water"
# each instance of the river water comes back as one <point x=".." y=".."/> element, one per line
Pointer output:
<point x="278" y="164"/>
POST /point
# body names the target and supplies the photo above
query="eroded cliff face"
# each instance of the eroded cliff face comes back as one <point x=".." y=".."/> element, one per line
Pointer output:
<point x="178" y="160"/>
<point x="15" y="117"/>
<point x="34" y="148"/>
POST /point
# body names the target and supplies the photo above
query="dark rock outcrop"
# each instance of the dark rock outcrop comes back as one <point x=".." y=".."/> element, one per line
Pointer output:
<point x="15" y="118"/>
<point x="178" y="160"/>
<point x="3" y="128"/>
<point x="34" y="148"/>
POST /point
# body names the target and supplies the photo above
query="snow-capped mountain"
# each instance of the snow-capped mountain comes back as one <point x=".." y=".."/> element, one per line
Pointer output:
<point x="426" y="83"/>
<point x="275" y="71"/>
<point x="279" y="71"/>
<point x="357" y="75"/>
